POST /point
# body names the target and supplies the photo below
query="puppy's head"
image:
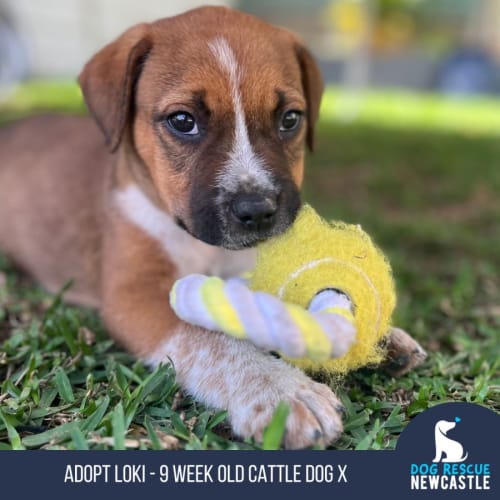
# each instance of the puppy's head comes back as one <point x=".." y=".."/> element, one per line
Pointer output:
<point x="218" y="106"/>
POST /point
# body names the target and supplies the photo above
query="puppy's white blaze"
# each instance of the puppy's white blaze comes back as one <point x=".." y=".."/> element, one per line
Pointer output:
<point x="243" y="165"/>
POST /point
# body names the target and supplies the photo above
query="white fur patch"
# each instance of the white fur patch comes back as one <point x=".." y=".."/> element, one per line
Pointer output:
<point x="243" y="166"/>
<point x="223" y="372"/>
<point x="187" y="253"/>
<point x="211" y="366"/>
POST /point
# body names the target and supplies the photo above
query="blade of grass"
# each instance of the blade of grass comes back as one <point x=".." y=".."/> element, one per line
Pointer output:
<point x="273" y="433"/>
<point x="79" y="439"/>
<point x="64" y="386"/>
<point x="142" y="391"/>
<point x="367" y="441"/>
<point x="218" y="418"/>
<point x="155" y="442"/>
<point x="12" y="434"/>
<point x="95" y="419"/>
<point x="57" y="434"/>
<point x="119" y="427"/>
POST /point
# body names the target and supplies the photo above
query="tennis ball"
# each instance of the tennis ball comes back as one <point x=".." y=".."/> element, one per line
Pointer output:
<point x="315" y="255"/>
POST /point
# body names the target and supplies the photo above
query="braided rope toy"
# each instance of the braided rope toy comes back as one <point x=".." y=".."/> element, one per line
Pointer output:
<point x="321" y="294"/>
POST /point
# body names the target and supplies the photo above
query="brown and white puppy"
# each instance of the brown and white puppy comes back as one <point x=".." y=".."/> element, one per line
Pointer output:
<point x="206" y="115"/>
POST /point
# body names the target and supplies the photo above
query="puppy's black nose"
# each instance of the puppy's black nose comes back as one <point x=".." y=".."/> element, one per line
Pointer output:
<point x="254" y="211"/>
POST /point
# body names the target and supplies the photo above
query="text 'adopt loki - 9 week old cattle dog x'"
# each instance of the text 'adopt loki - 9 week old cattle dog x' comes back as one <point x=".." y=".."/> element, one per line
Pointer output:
<point x="205" y="118"/>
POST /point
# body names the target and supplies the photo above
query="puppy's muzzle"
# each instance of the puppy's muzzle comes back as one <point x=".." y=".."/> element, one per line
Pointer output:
<point x="254" y="212"/>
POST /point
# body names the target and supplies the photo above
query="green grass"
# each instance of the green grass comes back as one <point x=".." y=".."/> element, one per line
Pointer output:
<point x="421" y="174"/>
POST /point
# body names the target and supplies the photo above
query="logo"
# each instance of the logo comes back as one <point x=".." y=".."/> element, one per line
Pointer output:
<point x="451" y="447"/>
<point x="447" y="449"/>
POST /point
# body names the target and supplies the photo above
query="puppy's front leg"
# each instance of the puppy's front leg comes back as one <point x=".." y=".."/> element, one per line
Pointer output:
<point x="216" y="369"/>
<point x="233" y="374"/>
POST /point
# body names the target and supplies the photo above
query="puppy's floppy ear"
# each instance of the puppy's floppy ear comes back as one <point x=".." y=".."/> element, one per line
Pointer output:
<point x="108" y="79"/>
<point x="312" y="85"/>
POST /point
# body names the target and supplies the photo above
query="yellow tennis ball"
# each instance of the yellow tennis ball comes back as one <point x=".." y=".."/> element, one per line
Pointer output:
<point x="314" y="255"/>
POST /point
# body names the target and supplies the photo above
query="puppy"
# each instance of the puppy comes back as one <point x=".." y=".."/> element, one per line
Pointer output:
<point x="205" y="117"/>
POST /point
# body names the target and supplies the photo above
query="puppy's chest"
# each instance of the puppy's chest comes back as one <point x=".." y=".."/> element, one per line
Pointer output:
<point x="188" y="254"/>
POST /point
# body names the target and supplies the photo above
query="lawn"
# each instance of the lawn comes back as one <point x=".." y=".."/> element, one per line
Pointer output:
<point x="420" y="173"/>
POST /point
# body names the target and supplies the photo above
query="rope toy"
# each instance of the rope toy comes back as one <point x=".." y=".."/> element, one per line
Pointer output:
<point x="321" y="294"/>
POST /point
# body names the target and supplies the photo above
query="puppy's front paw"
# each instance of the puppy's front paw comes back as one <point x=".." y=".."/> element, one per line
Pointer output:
<point x="404" y="353"/>
<point x="315" y="412"/>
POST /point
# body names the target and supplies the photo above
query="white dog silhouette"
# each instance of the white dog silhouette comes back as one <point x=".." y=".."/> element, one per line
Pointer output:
<point x="453" y="450"/>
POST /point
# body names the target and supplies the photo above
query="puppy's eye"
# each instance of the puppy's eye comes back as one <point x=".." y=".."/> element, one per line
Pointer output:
<point x="290" y="120"/>
<point x="182" y="122"/>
